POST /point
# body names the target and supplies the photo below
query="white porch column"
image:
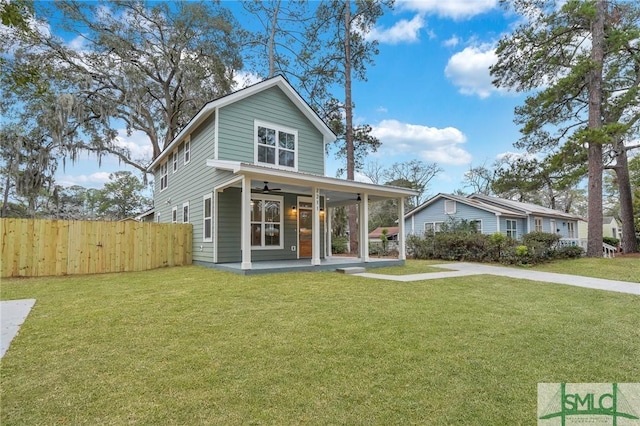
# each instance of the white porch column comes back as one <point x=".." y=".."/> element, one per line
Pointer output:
<point x="497" y="222"/>
<point x="245" y="223"/>
<point x="315" y="229"/>
<point x="328" y="218"/>
<point x="364" y="227"/>
<point x="402" y="247"/>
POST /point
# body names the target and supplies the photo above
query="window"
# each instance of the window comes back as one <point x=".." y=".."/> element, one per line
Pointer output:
<point x="158" y="218"/>
<point x="276" y="145"/>
<point x="164" y="179"/>
<point x="175" y="161"/>
<point x="187" y="151"/>
<point x="538" y="224"/>
<point x="476" y="225"/>
<point x="207" y="218"/>
<point x="511" y="228"/>
<point x="571" y="230"/>
<point x="174" y="214"/>
<point x="185" y="212"/>
<point x="449" y="207"/>
<point x="432" y="226"/>
<point x="266" y="222"/>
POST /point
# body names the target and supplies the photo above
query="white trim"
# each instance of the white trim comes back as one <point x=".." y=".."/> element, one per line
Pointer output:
<point x="301" y="199"/>
<point x="315" y="229"/>
<point x="402" y="247"/>
<point x="245" y="223"/>
<point x="186" y="204"/>
<point x="204" y="218"/>
<point x="424" y="228"/>
<point x="164" y="175"/>
<point x="216" y="125"/>
<point x="535" y="226"/>
<point x="158" y="218"/>
<point x="278" y="81"/>
<point x="268" y="197"/>
<point x="187" y="150"/>
<point x="277" y="129"/>
<point x="307" y="179"/>
<point x="514" y="229"/>
<point x="174" y="214"/>
<point x="450" y="210"/>
<point x="174" y="159"/>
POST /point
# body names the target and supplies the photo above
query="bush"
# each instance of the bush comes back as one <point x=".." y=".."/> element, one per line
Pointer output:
<point x="420" y="247"/>
<point x="339" y="245"/>
<point x="569" y="252"/>
<point x="611" y="241"/>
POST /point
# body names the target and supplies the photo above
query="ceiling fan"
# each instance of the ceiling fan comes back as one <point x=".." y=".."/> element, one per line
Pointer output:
<point x="265" y="189"/>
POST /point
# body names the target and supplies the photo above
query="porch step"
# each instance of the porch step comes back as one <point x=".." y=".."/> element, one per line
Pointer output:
<point x="352" y="270"/>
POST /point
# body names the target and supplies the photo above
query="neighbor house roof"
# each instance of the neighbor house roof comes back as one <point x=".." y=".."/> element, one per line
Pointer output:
<point x="210" y="107"/>
<point x="468" y="201"/>
<point x="391" y="231"/>
<point x="528" y="208"/>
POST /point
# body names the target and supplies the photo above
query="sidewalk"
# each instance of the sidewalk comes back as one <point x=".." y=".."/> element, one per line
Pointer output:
<point x="12" y="315"/>
<point x="466" y="269"/>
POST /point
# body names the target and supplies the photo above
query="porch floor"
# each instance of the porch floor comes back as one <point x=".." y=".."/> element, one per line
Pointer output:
<point x="301" y="265"/>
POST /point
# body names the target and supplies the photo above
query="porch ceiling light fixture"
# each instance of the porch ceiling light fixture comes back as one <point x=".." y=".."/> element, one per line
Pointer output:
<point x="293" y="208"/>
<point x="359" y="199"/>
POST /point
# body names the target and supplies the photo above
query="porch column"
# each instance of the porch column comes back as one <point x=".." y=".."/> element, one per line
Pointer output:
<point x="364" y="228"/>
<point x="402" y="248"/>
<point x="245" y="223"/>
<point x="328" y="219"/>
<point x="315" y="229"/>
<point x="498" y="222"/>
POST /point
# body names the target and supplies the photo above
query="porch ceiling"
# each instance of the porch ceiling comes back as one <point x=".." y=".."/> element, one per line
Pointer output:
<point x="336" y="191"/>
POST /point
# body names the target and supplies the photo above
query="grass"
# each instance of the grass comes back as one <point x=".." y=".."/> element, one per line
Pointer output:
<point x="191" y="345"/>
<point x="620" y="268"/>
<point x="411" y="267"/>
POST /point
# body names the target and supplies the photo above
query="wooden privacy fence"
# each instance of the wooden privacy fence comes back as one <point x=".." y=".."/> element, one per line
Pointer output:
<point x="35" y="248"/>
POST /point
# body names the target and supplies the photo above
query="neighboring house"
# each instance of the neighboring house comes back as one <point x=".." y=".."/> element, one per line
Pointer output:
<point x="490" y="215"/>
<point x="610" y="228"/>
<point x="392" y="233"/>
<point x="248" y="172"/>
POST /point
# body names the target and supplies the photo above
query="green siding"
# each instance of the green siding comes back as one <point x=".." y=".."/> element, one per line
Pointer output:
<point x="236" y="129"/>
<point x="229" y="205"/>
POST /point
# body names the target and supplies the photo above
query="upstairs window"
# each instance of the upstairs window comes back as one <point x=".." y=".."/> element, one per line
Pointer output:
<point x="164" y="179"/>
<point x="185" y="212"/>
<point x="175" y="161"/>
<point x="449" y="207"/>
<point x="187" y="151"/>
<point x="174" y="214"/>
<point x="276" y="145"/>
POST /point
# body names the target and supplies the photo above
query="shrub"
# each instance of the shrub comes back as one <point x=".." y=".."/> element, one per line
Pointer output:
<point x="339" y="245"/>
<point x="611" y="241"/>
<point x="420" y="247"/>
<point x="569" y="252"/>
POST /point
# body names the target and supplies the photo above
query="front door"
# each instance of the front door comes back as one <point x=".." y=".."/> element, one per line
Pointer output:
<point x="305" y="224"/>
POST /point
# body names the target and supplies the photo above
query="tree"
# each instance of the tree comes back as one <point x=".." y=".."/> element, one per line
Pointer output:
<point x="122" y="197"/>
<point x="578" y="58"/>
<point x="417" y="174"/>
<point x="338" y="51"/>
<point x="151" y="65"/>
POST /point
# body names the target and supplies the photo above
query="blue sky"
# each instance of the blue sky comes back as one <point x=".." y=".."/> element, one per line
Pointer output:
<point x="428" y="96"/>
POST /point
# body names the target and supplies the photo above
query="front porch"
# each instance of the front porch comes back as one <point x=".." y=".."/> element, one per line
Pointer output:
<point x="302" y="265"/>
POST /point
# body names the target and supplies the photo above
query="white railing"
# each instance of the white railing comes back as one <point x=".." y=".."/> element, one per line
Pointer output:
<point x="608" y="250"/>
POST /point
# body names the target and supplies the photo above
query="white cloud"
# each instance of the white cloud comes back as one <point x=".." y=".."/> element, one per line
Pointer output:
<point x="429" y="143"/>
<point x="455" y="9"/>
<point x="77" y="43"/>
<point x="452" y="42"/>
<point x="137" y="143"/>
<point x="403" y="31"/>
<point x="244" y="79"/>
<point x="92" y="180"/>
<point x="469" y="70"/>
<point x="382" y="109"/>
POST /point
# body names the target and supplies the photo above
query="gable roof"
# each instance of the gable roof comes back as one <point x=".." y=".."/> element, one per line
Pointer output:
<point x="527" y="208"/>
<point x="468" y="201"/>
<point x="277" y="81"/>
<point x="392" y="230"/>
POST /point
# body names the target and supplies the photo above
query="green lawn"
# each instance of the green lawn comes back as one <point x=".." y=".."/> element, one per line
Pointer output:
<point x="195" y="346"/>
<point x="620" y="268"/>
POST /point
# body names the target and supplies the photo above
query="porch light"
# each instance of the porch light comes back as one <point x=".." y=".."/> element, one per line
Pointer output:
<point x="321" y="210"/>
<point x="293" y="208"/>
<point x="359" y="199"/>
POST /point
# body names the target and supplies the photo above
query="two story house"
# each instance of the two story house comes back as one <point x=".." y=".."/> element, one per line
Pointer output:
<point x="248" y="172"/>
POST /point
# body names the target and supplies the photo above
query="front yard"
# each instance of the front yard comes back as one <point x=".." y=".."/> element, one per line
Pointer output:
<point x="191" y="345"/>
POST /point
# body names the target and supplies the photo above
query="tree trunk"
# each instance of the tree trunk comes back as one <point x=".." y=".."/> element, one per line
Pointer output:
<point x="353" y="223"/>
<point x="272" y="37"/>
<point x="5" y="197"/>
<point x="595" y="169"/>
<point x="626" y="201"/>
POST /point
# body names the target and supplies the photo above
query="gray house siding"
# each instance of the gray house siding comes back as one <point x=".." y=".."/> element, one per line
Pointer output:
<point x="229" y="230"/>
<point x="188" y="184"/>
<point x="236" y="129"/>
<point x="520" y="225"/>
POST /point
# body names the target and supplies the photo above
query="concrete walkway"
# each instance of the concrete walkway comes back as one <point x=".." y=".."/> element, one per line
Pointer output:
<point x="466" y="269"/>
<point x="12" y="315"/>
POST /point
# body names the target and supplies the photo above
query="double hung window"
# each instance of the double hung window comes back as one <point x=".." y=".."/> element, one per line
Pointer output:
<point x="266" y="222"/>
<point x="276" y="145"/>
